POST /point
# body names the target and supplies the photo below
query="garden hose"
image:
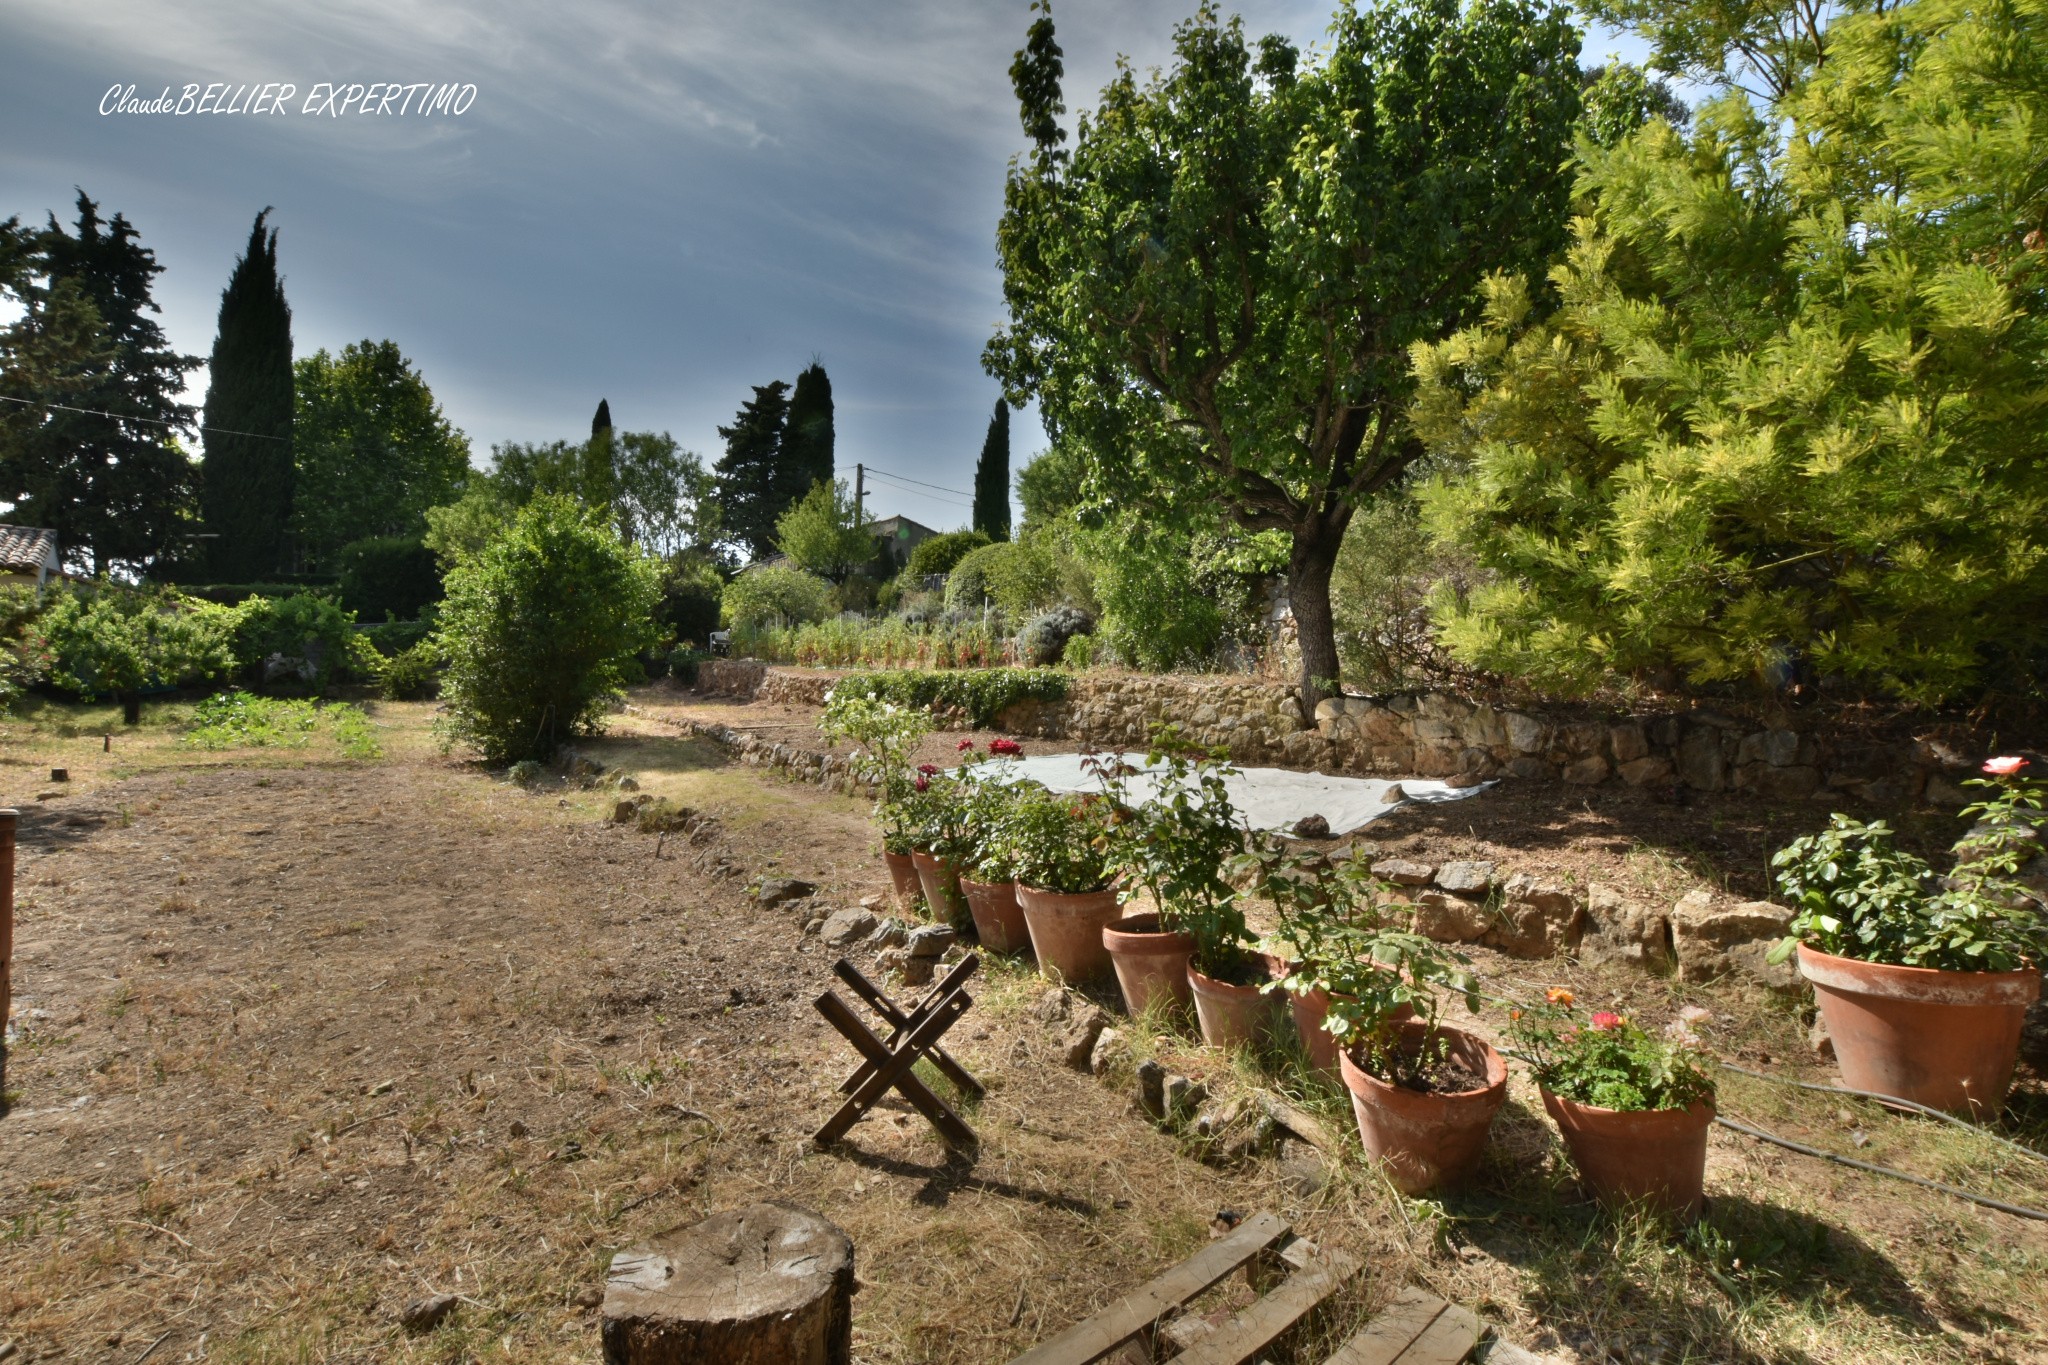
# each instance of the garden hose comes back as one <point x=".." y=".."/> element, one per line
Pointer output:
<point x="1917" y="1108"/>
<point x="1985" y="1201"/>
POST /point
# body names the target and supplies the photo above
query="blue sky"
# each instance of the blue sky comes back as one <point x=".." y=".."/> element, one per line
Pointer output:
<point x="661" y="204"/>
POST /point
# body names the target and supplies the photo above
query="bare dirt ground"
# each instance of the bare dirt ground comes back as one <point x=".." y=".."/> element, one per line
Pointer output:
<point x="300" y="1040"/>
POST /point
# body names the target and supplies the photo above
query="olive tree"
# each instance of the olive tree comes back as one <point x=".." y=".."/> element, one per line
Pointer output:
<point x="1213" y="294"/>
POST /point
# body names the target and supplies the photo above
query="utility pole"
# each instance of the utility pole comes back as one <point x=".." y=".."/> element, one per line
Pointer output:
<point x="860" y="488"/>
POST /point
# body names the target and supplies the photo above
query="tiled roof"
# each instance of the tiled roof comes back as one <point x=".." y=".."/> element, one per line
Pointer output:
<point x="24" y="549"/>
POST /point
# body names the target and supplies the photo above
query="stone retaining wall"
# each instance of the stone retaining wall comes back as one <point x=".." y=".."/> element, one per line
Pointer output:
<point x="1439" y="735"/>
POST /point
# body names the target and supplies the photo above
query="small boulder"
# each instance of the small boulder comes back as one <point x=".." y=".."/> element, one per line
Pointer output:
<point x="1183" y="1097"/>
<point x="890" y="933"/>
<point x="1053" y="1006"/>
<point x="780" y="889"/>
<point x="1449" y="919"/>
<point x="908" y="970"/>
<point x="1312" y="827"/>
<point x="1465" y="878"/>
<point x="1713" y="940"/>
<point x="1403" y="872"/>
<point x="843" y="928"/>
<point x="1618" y="929"/>
<point x="1109" y="1045"/>
<point x="1152" y="1088"/>
<point x="424" y="1315"/>
<point x="930" y="940"/>
<point x="1084" y="1030"/>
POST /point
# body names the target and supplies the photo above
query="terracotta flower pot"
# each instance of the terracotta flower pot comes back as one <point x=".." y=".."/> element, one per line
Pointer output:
<point x="1232" y="1015"/>
<point x="1427" y="1140"/>
<point x="1151" y="962"/>
<point x="998" y="919"/>
<point x="1653" y="1157"/>
<point x="941" y="882"/>
<point x="1066" y="931"/>
<point x="903" y="883"/>
<point x="1943" y="1039"/>
<point x="1309" y="1010"/>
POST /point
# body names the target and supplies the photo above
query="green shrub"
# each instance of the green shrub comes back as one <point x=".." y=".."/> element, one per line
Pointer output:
<point x="390" y="638"/>
<point x="938" y="555"/>
<point x="690" y="594"/>
<point x="113" y="641"/>
<point x="684" y="662"/>
<point x="979" y="694"/>
<point x="537" y="630"/>
<point x="775" y="595"/>
<point x="388" y="577"/>
<point x="1019" y="577"/>
<point x="1044" y="641"/>
<point x="308" y="626"/>
<point x="411" y="675"/>
<point x="1079" y="653"/>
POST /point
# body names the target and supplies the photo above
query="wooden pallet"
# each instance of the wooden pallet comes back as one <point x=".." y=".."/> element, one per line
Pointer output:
<point x="1417" y="1328"/>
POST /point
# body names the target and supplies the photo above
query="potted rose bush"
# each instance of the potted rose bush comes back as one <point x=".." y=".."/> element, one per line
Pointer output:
<point x="1195" y="946"/>
<point x="942" y="838"/>
<point x="1058" y="847"/>
<point x="885" y="737"/>
<point x="1923" y="981"/>
<point x="988" y="870"/>
<point x="1424" y="1094"/>
<point x="1634" y="1107"/>
<point x="1328" y="913"/>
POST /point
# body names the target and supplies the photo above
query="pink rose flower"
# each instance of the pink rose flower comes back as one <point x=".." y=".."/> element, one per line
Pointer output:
<point x="1604" y="1020"/>
<point x="2005" y="766"/>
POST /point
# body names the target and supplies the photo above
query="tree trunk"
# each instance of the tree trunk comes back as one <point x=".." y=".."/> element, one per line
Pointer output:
<point x="771" y="1284"/>
<point x="1309" y="564"/>
<point x="131" y="708"/>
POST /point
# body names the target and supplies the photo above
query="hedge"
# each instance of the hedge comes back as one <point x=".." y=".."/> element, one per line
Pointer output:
<point x="982" y="692"/>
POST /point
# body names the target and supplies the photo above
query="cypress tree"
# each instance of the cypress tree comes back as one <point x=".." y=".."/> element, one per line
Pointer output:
<point x="603" y="420"/>
<point x="751" y="486"/>
<point x="992" y="477"/>
<point x="807" y="436"/>
<point x="247" y="479"/>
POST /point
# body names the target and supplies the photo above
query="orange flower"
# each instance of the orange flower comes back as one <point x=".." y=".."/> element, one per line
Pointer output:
<point x="1558" y="995"/>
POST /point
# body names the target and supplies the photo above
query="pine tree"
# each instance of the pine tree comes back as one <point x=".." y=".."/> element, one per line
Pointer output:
<point x="247" y="478"/>
<point x="807" y="435"/>
<point x="992" y="477"/>
<point x="116" y="489"/>
<point x="751" y="486"/>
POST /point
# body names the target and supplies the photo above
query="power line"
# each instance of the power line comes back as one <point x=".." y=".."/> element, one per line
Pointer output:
<point x="153" y="421"/>
<point x="919" y="493"/>
<point x="919" y="482"/>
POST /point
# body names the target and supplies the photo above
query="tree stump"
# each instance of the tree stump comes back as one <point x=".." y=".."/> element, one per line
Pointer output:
<point x="770" y="1284"/>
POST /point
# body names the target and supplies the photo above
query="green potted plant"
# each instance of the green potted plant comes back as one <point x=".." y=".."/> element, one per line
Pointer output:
<point x="885" y="737"/>
<point x="988" y="870"/>
<point x="1195" y="948"/>
<point x="1424" y="1094"/>
<point x="942" y="838"/>
<point x="1634" y="1107"/>
<point x="1058" y="847"/>
<point x="1327" y="911"/>
<point x="1923" y="982"/>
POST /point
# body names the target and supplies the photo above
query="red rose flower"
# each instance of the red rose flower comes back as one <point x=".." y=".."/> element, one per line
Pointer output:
<point x="967" y="744"/>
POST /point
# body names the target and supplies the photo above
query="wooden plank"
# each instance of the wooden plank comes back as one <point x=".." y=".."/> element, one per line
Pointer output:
<point x="1393" y="1330"/>
<point x="1266" y="1321"/>
<point x="1139" y="1309"/>
<point x="893" y="1069"/>
<point x="901" y="1022"/>
<point x="1449" y="1339"/>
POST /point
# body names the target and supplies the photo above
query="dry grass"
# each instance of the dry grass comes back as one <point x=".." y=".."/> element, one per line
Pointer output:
<point x="348" y="1033"/>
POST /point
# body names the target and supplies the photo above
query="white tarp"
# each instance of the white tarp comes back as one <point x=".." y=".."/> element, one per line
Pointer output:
<point x="1266" y="798"/>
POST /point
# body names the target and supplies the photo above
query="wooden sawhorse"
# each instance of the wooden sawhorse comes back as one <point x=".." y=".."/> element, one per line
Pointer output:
<point x="886" y="1063"/>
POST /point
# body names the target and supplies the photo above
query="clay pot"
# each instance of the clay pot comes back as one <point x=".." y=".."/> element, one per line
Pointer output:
<point x="1309" y="1011"/>
<point x="1651" y="1157"/>
<point x="940" y="879"/>
<point x="1066" y="931"/>
<point x="903" y="883"/>
<point x="1230" y="1015"/>
<point x="1423" y="1141"/>
<point x="998" y="919"/>
<point x="1151" y="962"/>
<point x="1943" y="1039"/>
